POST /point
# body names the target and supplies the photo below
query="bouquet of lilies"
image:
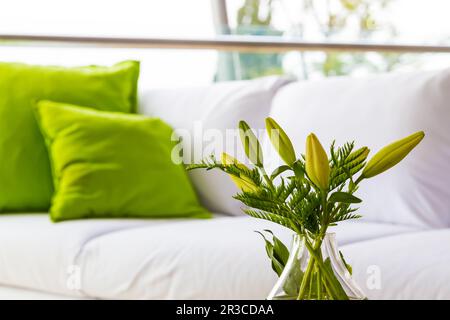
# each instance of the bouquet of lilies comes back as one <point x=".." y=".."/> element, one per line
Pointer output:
<point x="307" y="194"/>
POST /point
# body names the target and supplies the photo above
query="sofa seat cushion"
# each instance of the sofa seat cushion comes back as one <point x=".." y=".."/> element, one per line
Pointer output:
<point x="407" y="266"/>
<point x="220" y="258"/>
<point x="38" y="254"/>
<point x="14" y="293"/>
<point x="351" y="231"/>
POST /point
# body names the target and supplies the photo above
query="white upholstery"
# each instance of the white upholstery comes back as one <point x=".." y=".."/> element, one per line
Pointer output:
<point x="216" y="259"/>
<point x="221" y="258"/>
<point x="217" y="108"/>
<point x="14" y="293"/>
<point x="36" y="253"/>
<point x="376" y="111"/>
<point x="352" y="231"/>
<point x="410" y="266"/>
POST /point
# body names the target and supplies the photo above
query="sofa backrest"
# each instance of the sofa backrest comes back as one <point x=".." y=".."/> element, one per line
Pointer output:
<point x="199" y="114"/>
<point x="375" y="111"/>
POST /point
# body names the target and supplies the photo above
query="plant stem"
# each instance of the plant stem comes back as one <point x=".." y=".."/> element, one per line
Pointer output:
<point x="311" y="282"/>
<point x="267" y="178"/>
<point x="317" y="247"/>
<point x="316" y="258"/>
<point x="310" y="266"/>
<point x="327" y="289"/>
<point x="305" y="279"/>
<point x="328" y="281"/>
<point x="359" y="180"/>
<point x="319" y="284"/>
<point x="316" y="267"/>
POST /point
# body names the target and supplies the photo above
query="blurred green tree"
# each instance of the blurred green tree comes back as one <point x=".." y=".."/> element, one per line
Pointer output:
<point x="332" y="18"/>
<point x="254" y="18"/>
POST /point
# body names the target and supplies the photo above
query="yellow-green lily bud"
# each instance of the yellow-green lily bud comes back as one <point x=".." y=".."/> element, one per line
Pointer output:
<point x="243" y="182"/>
<point x="392" y="154"/>
<point x="251" y="144"/>
<point x="280" y="141"/>
<point x="317" y="165"/>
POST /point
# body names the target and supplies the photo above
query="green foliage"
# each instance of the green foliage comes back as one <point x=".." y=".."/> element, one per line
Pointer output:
<point x="277" y="252"/>
<point x="279" y="255"/>
<point x="345" y="15"/>
<point x="293" y="200"/>
<point x="250" y="14"/>
<point x="232" y="169"/>
<point x="254" y="18"/>
<point x="345" y="164"/>
<point x="279" y="171"/>
<point x="363" y="18"/>
<point x="343" y="197"/>
<point x="349" y="267"/>
<point x="336" y="288"/>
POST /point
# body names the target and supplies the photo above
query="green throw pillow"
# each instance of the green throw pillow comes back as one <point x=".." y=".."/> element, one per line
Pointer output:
<point x="25" y="177"/>
<point x="109" y="164"/>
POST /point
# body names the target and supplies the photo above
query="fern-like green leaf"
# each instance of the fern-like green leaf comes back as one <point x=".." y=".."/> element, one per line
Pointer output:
<point x="286" y="222"/>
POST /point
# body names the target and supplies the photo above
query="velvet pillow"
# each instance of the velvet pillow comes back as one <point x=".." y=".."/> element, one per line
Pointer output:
<point x="25" y="178"/>
<point x="110" y="164"/>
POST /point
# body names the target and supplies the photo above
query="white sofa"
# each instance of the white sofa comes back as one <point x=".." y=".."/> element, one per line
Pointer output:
<point x="395" y="253"/>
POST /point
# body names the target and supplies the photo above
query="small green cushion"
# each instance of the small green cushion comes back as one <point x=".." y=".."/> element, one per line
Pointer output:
<point x="109" y="164"/>
<point x="25" y="177"/>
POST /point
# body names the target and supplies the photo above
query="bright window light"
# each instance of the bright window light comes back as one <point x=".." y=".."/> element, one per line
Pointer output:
<point x="384" y="21"/>
<point x="132" y="18"/>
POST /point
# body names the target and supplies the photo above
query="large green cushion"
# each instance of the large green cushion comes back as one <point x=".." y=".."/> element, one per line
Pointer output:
<point x="25" y="179"/>
<point x="109" y="164"/>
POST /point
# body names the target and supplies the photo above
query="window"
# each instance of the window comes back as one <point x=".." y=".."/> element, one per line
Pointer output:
<point x="130" y="18"/>
<point x="395" y="21"/>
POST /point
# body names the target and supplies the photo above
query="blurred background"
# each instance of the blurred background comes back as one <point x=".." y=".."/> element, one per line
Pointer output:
<point x="377" y="21"/>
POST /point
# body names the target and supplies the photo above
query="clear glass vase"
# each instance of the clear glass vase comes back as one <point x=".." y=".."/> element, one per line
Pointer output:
<point x="322" y="275"/>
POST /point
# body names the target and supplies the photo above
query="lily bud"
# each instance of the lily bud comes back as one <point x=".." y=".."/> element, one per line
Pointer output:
<point x="280" y="141"/>
<point x="243" y="182"/>
<point x="392" y="154"/>
<point x="251" y="144"/>
<point x="316" y="165"/>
